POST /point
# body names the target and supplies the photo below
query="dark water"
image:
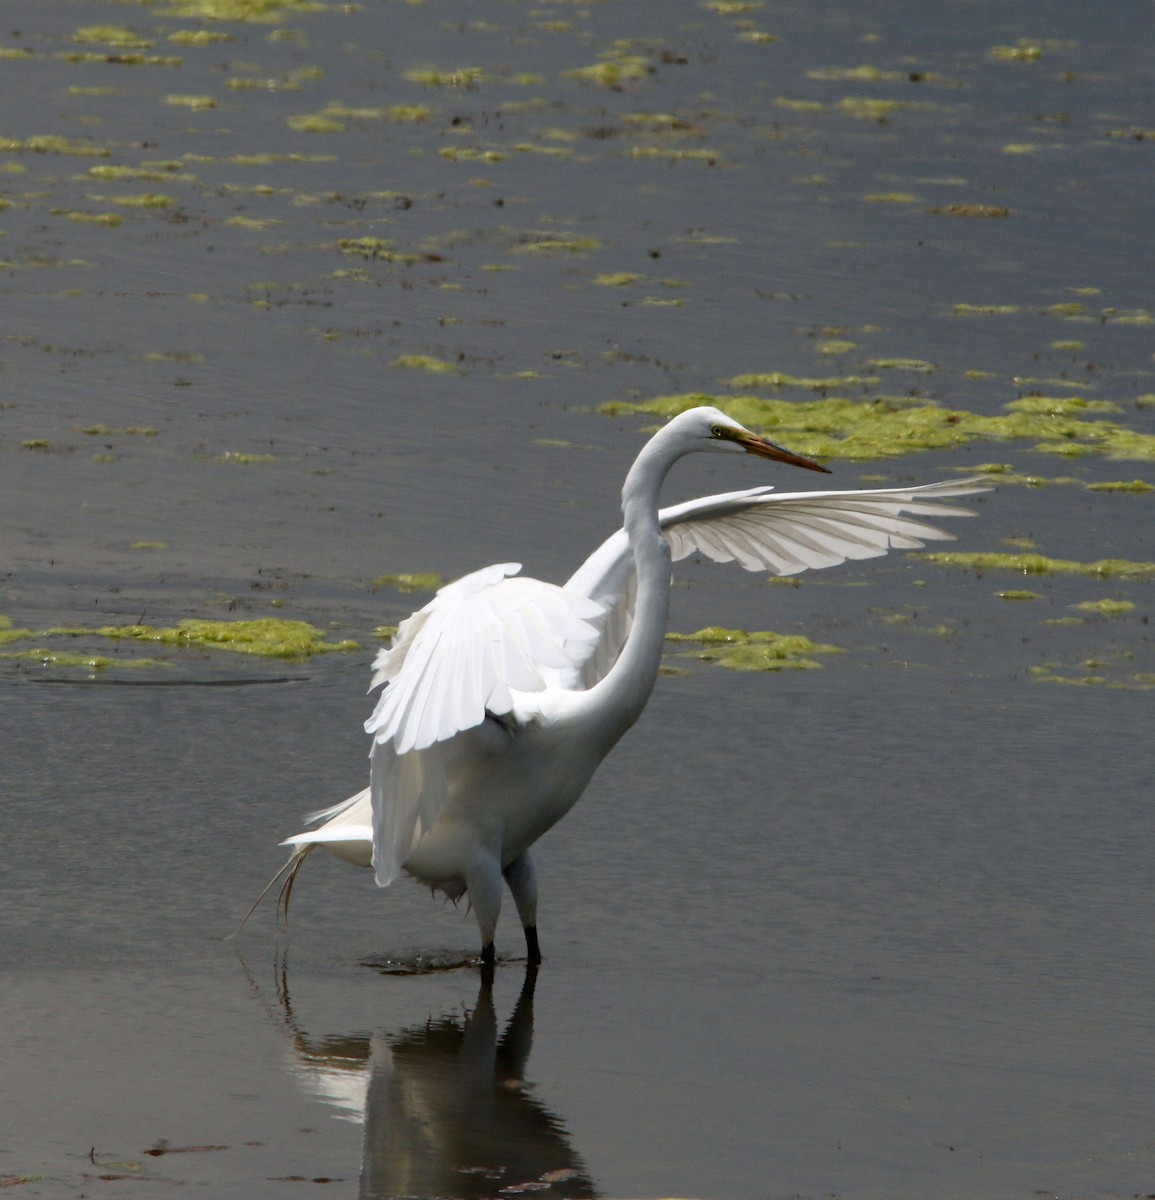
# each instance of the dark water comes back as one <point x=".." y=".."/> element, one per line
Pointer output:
<point x="877" y="930"/>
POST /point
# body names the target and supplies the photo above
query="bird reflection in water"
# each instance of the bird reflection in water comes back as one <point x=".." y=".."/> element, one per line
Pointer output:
<point x="445" y="1105"/>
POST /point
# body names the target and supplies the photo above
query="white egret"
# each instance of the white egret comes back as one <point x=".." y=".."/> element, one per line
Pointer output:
<point x="503" y="694"/>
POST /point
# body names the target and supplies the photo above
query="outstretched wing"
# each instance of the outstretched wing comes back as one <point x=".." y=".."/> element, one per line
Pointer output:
<point x="475" y="643"/>
<point x="782" y="533"/>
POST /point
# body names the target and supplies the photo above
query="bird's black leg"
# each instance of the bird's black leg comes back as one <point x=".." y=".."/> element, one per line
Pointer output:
<point x="488" y="961"/>
<point x="522" y="880"/>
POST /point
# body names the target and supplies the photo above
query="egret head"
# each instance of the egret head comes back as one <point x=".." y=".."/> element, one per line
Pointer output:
<point x="710" y="429"/>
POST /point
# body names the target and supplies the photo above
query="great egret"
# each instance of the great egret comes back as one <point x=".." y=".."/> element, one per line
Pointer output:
<point x="503" y="694"/>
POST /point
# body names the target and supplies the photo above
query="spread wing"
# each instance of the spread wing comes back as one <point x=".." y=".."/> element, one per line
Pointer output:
<point x="475" y="643"/>
<point x="781" y="533"/>
<point x="493" y="633"/>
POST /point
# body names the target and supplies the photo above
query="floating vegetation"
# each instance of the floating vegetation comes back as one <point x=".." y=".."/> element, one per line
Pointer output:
<point x="883" y="426"/>
<point x="468" y="77"/>
<point x="264" y="160"/>
<point x="196" y="102"/>
<point x="985" y="310"/>
<point x="1061" y="406"/>
<point x="1105" y="608"/>
<point x="551" y="244"/>
<point x="1039" y="564"/>
<point x="257" y="223"/>
<point x="428" y="582"/>
<point x="112" y="35"/>
<point x="243" y="457"/>
<point x="472" y="154"/>
<point x="8" y="633"/>
<point x="1018" y="595"/>
<point x="333" y="118"/>
<point x="168" y="356"/>
<point x="199" y="37"/>
<point x="616" y="279"/>
<point x="145" y="200"/>
<point x="425" y="362"/>
<point x="901" y="364"/>
<point x="110" y="219"/>
<point x="369" y="247"/>
<point x="1023" y="51"/>
<point x="615" y="69"/>
<point x="412" y="113"/>
<point x="91" y="662"/>
<point x="267" y="637"/>
<point x="48" y="143"/>
<point x="1092" y="672"/>
<point x="779" y="379"/>
<point x="1138" y="316"/>
<point x="674" y="153"/>
<point x="124" y="58"/>
<point x="314" y="123"/>
<point x="869" y="108"/>
<point x="758" y="651"/>
<point x="807" y="106"/>
<point x="147" y="174"/>
<point x="262" y="11"/>
<point x="1136" y="486"/>
<point x="864" y="73"/>
<point x="733" y="8"/>
<point x="970" y="210"/>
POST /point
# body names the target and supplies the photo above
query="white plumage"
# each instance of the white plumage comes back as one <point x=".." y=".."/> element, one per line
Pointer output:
<point x="503" y="694"/>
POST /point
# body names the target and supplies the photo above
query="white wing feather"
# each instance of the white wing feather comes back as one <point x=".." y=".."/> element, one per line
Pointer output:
<point x="781" y="533"/>
<point x="408" y="791"/>
<point x="470" y="648"/>
<point x="493" y="633"/>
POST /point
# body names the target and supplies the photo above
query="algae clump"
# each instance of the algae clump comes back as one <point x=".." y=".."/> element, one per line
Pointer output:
<point x="1040" y="564"/>
<point x="265" y="11"/>
<point x="884" y="426"/>
<point x="1106" y="607"/>
<point x="409" y="582"/>
<point x="9" y="633"/>
<point x="266" y="637"/>
<point x="425" y="362"/>
<point x="762" y="650"/>
<point x="64" y="658"/>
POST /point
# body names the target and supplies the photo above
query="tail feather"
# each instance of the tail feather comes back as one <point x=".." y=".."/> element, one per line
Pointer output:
<point x="289" y="871"/>
<point x="286" y="892"/>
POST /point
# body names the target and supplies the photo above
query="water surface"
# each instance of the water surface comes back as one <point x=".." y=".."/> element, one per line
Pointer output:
<point x="880" y="929"/>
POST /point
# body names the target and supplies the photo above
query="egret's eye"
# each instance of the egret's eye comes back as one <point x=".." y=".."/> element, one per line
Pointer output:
<point x="717" y="431"/>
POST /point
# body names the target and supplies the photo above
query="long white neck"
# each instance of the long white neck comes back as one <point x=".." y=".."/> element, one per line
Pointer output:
<point x="614" y="703"/>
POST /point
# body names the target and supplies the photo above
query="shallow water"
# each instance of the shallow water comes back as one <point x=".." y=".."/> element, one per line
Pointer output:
<point x="880" y="929"/>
